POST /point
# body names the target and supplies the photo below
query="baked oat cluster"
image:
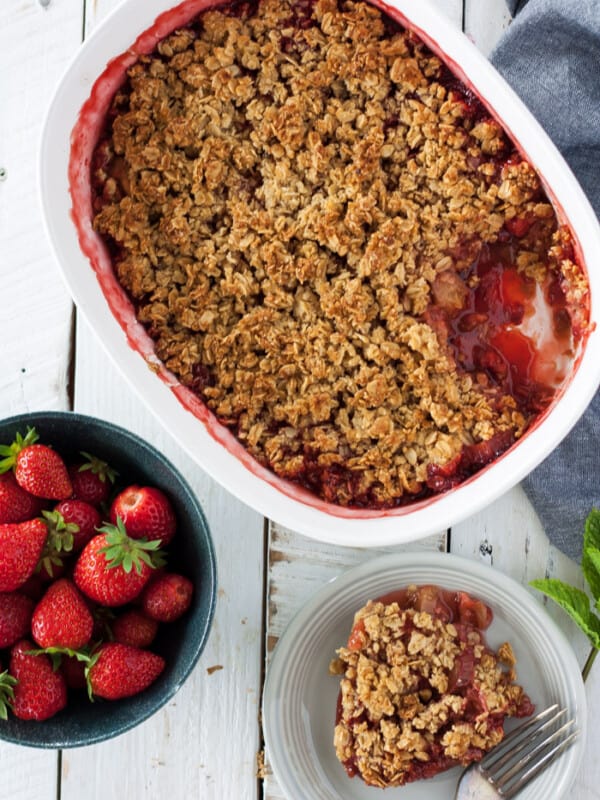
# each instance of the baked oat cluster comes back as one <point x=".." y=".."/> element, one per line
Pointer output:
<point x="294" y="194"/>
<point x="419" y="695"/>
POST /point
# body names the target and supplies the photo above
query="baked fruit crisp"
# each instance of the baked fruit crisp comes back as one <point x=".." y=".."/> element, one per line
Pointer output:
<point x="334" y="245"/>
<point x="421" y="691"/>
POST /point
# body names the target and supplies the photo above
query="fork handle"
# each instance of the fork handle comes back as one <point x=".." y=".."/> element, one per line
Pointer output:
<point x="473" y="786"/>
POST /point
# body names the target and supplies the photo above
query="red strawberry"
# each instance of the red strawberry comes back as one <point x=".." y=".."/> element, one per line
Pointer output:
<point x="117" y="671"/>
<point x="42" y="472"/>
<point x="62" y="618"/>
<point x="113" y="568"/>
<point x="167" y="597"/>
<point x="135" y="629"/>
<point x="16" y="505"/>
<point x="21" y="546"/>
<point x="15" y="615"/>
<point x="91" y="479"/>
<point x="38" y="469"/>
<point x="146" y="512"/>
<point x="80" y="520"/>
<point x="40" y="692"/>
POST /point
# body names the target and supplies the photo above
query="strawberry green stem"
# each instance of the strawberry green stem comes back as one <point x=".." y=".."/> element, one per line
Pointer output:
<point x="11" y="451"/>
<point x="122" y="550"/>
<point x="98" y="467"/>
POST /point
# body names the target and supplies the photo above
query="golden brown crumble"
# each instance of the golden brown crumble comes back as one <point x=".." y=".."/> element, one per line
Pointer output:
<point x="288" y="189"/>
<point x="419" y="695"/>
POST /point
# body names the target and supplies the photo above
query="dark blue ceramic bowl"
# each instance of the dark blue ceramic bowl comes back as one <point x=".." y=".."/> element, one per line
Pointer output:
<point x="191" y="553"/>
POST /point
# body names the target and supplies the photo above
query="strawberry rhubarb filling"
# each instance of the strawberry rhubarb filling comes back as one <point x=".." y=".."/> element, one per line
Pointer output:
<point x="336" y="247"/>
<point x="421" y="691"/>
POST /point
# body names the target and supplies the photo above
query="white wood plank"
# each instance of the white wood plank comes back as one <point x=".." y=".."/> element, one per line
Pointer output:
<point x="485" y="20"/>
<point x="453" y="9"/>
<point x="508" y="536"/>
<point x="96" y="11"/>
<point x="299" y="566"/>
<point x="204" y="744"/>
<point x="35" y="315"/>
<point x="28" y="773"/>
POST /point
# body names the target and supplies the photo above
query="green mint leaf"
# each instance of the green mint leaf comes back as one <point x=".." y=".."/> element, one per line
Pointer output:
<point x="590" y="565"/>
<point x="575" y="602"/>
<point x="591" y="535"/>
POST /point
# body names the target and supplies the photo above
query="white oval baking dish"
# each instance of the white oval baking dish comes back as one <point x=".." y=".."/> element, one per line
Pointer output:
<point x="111" y="48"/>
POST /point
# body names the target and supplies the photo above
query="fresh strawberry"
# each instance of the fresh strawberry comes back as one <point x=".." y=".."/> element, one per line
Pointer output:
<point x="117" y="670"/>
<point x="42" y="472"/>
<point x="146" y="512"/>
<point x="75" y="518"/>
<point x="16" y="505"/>
<point x="15" y="616"/>
<point x="168" y="597"/>
<point x="91" y="479"/>
<point x="7" y="692"/>
<point x="113" y="568"/>
<point x="21" y="545"/>
<point x="62" y="618"/>
<point x="135" y="629"/>
<point x="40" y="692"/>
<point x="38" y="469"/>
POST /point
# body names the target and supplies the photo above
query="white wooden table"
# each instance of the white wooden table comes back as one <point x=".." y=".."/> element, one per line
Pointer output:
<point x="205" y="742"/>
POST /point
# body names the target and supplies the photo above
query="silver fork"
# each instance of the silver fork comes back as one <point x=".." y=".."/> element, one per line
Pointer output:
<point x="519" y="758"/>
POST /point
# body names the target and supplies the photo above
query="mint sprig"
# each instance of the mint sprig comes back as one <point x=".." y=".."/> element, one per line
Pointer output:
<point x="590" y="561"/>
<point x="574" y="601"/>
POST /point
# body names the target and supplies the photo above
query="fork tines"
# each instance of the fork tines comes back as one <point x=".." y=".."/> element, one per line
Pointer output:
<point x="525" y="752"/>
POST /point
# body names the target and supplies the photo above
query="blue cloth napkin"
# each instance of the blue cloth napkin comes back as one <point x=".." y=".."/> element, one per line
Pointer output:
<point x="550" y="55"/>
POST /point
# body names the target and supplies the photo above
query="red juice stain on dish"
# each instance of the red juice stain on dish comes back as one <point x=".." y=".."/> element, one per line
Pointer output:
<point x="509" y="330"/>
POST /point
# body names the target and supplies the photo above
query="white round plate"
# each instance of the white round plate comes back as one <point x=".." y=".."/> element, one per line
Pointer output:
<point x="300" y="696"/>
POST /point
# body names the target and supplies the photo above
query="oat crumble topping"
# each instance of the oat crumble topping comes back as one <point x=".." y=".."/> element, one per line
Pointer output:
<point x="419" y="695"/>
<point x="294" y="193"/>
